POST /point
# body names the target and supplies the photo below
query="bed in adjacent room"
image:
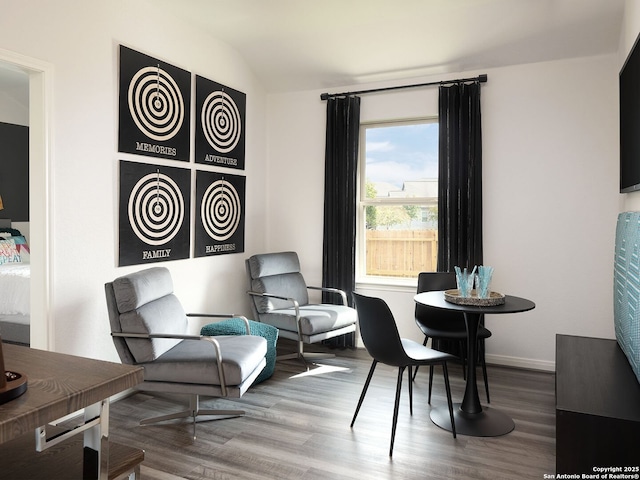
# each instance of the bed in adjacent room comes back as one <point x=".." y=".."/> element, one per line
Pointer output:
<point x="15" y="281"/>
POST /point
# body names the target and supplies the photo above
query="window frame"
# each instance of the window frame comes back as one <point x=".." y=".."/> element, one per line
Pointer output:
<point x="362" y="279"/>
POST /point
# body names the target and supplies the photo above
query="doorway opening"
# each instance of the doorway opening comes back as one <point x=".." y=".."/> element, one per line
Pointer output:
<point x="39" y="76"/>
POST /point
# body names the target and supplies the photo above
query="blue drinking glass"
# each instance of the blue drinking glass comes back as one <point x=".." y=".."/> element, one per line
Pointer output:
<point x="464" y="280"/>
<point x="483" y="281"/>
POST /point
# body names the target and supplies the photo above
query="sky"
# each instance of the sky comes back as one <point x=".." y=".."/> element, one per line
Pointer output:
<point x="402" y="152"/>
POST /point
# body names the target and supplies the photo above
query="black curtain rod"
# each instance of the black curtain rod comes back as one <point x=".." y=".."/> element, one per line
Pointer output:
<point x="480" y="78"/>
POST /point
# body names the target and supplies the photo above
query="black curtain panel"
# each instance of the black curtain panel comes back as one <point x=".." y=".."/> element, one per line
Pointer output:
<point x="340" y="186"/>
<point x="460" y="177"/>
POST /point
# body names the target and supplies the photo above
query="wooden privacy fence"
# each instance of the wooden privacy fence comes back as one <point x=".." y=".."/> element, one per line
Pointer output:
<point x="401" y="253"/>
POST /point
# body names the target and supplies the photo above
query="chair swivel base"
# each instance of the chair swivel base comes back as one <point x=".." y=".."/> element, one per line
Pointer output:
<point x="221" y="414"/>
<point x="194" y="415"/>
<point x="193" y="412"/>
<point x="307" y="358"/>
<point x="309" y="355"/>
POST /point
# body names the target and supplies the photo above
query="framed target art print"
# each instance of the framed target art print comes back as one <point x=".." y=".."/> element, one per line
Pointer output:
<point x="219" y="125"/>
<point x="219" y="216"/>
<point x="154" y="223"/>
<point x="154" y="107"/>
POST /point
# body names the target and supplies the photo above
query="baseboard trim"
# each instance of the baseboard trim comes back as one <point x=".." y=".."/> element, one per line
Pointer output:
<point x="518" y="362"/>
<point x="507" y="361"/>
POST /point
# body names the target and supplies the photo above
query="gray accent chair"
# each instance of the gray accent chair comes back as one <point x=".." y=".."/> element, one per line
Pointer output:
<point x="150" y="328"/>
<point x="280" y="297"/>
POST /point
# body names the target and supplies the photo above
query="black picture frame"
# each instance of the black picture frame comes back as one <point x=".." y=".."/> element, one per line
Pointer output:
<point x="154" y="213"/>
<point x="220" y="125"/>
<point x="220" y="214"/>
<point x="154" y="107"/>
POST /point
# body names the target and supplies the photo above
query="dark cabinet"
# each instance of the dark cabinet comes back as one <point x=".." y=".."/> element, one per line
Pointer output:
<point x="597" y="406"/>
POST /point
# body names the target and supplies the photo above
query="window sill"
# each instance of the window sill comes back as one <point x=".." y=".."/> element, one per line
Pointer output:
<point x="388" y="284"/>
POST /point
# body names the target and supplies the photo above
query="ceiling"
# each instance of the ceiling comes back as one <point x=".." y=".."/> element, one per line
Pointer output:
<point x="294" y="45"/>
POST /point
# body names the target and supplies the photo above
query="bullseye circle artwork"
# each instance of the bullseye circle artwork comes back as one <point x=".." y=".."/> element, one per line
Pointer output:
<point x="221" y="210"/>
<point x="219" y="225"/>
<point x="154" y="213"/>
<point x="155" y="103"/>
<point x="220" y="125"/>
<point x="156" y="209"/>
<point x="154" y="107"/>
<point x="221" y="122"/>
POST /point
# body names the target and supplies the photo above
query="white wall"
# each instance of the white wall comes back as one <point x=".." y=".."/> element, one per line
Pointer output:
<point x="80" y="40"/>
<point x="550" y="194"/>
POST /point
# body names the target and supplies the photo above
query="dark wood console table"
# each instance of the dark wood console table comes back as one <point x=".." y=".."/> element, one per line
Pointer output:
<point x="597" y="406"/>
<point x="59" y="385"/>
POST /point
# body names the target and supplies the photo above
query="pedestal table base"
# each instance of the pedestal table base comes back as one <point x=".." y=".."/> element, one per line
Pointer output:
<point x="487" y="423"/>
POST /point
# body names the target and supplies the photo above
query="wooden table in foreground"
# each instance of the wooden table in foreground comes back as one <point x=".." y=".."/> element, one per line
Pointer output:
<point x="470" y="417"/>
<point x="59" y="385"/>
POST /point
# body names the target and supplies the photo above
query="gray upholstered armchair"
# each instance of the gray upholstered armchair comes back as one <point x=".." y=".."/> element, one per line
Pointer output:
<point x="150" y="328"/>
<point x="279" y="297"/>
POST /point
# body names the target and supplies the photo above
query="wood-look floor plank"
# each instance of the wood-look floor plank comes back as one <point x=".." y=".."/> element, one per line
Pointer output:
<point x="297" y="427"/>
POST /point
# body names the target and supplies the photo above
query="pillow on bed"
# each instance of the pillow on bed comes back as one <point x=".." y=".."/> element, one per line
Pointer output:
<point x="11" y="231"/>
<point x="9" y="252"/>
<point x="23" y="248"/>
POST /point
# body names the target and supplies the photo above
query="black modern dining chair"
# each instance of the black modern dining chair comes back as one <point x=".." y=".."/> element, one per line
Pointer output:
<point x="444" y="325"/>
<point x="382" y="340"/>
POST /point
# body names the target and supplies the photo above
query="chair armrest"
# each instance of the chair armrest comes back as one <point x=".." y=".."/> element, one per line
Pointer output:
<point x="293" y="301"/>
<point x="212" y="340"/>
<point x="342" y="293"/>
<point x="223" y="315"/>
<point x="177" y="336"/>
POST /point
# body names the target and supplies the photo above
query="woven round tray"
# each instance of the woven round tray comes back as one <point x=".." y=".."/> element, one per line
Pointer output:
<point x="453" y="296"/>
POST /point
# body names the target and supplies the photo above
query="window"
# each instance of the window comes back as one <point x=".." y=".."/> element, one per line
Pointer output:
<point x="398" y="201"/>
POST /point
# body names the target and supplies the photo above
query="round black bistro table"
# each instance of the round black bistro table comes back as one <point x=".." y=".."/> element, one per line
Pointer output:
<point x="470" y="417"/>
